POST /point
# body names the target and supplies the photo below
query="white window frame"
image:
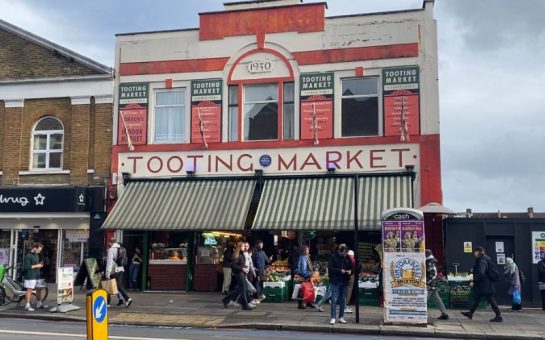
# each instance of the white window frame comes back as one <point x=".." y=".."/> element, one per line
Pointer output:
<point x="186" y="118"/>
<point x="47" y="150"/>
<point x="279" y="101"/>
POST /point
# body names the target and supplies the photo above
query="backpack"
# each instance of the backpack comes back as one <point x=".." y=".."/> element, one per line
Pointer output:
<point x="121" y="260"/>
<point x="492" y="272"/>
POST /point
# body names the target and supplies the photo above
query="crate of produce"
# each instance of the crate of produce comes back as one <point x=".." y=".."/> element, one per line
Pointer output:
<point x="368" y="297"/>
<point x="275" y="294"/>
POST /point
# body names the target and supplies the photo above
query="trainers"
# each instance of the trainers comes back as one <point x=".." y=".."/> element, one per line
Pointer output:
<point x="120" y="302"/>
<point x="319" y="308"/>
<point x="348" y="310"/>
<point x="29" y="309"/>
<point x="342" y="320"/>
<point x="497" y="319"/>
<point x="128" y="303"/>
<point x="262" y="297"/>
<point x="255" y="302"/>
<point x="443" y="317"/>
<point x="468" y="315"/>
<point x="332" y="321"/>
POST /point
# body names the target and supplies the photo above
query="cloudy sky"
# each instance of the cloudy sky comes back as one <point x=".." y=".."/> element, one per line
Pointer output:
<point x="491" y="56"/>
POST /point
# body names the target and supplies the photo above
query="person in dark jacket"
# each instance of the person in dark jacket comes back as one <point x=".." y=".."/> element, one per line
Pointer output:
<point x="261" y="261"/>
<point x="239" y="268"/>
<point x="227" y="273"/>
<point x="482" y="285"/>
<point x="293" y="259"/>
<point x="541" y="279"/>
<point x="431" y="282"/>
<point x="339" y="270"/>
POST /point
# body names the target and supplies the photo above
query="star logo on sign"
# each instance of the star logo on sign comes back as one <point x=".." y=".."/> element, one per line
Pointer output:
<point x="39" y="199"/>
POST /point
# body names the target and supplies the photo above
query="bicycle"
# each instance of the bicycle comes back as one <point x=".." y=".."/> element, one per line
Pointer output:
<point x="13" y="291"/>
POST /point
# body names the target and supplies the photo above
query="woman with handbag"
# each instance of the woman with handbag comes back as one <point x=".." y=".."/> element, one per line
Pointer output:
<point x="513" y="278"/>
<point x="304" y="270"/>
<point x="239" y="269"/>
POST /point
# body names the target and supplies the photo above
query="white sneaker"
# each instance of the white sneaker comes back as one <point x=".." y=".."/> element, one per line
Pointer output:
<point x="255" y="302"/>
<point x="348" y="310"/>
<point x="332" y="321"/>
<point x="262" y="297"/>
<point x="29" y="309"/>
<point x="342" y="320"/>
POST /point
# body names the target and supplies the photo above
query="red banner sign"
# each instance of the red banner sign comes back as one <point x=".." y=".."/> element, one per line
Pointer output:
<point x="132" y="119"/>
<point x="401" y="111"/>
<point x="206" y="123"/>
<point x="317" y="118"/>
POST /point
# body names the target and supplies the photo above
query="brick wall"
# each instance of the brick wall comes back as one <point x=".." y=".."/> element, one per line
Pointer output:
<point x="86" y="127"/>
<point x="34" y="61"/>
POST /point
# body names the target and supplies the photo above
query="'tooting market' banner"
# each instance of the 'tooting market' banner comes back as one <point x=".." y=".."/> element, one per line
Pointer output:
<point x="133" y="113"/>
<point x="317" y="105"/>
<point x="405" y="294"/>
<point x="206" y="101"/>
<point x="401" y="90"/>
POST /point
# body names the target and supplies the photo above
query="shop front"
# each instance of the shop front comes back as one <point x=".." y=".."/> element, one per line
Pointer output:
<point x="55" y="217"/>
<point x="184" y="225"/>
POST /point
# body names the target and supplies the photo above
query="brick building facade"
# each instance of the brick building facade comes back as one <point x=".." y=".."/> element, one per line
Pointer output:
<point x="55" y="133"/>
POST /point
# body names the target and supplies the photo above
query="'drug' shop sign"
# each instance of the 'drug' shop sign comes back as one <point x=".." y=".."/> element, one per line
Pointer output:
<point x="271" y="161"/>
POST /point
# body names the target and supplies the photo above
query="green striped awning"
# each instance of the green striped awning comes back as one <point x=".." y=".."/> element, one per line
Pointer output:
<point x="182" y="205"/>
<point x="328" y="203"/>
<point x="306" y="203"/>
<point x="377" y="194"/>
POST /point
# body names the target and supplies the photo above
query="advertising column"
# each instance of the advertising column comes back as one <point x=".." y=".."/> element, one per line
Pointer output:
<point x="317" y="106"/>
<point x="404" y="267"/>
<point x="206" y="101"/>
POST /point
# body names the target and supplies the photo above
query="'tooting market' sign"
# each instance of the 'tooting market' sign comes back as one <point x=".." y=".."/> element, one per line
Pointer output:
<point x="133" y="113"/>
<point x="43" y="200"/>
<point x="317" y="90"/>
<point x="206" y="100"/>
<point x="272" y="161"/>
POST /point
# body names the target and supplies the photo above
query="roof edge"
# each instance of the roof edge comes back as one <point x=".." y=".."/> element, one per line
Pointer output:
<point x="56" y="47"/>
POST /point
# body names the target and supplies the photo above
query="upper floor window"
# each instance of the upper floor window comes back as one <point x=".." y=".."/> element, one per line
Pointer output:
<point x="47" y="144"/>
<point x="289" y="111"/>
<point x="360" y="107"/>
<point x="170" y="115"/>
<point x="261" y="112"/>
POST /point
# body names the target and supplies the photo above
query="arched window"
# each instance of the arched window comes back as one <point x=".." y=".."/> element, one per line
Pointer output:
<point x="47" y="144"/>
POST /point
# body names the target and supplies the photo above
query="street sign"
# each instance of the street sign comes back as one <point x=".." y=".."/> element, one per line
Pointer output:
<point x="97" y="315"/>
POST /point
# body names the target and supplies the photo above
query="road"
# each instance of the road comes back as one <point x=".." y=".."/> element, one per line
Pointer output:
<point x="20" y="329"/>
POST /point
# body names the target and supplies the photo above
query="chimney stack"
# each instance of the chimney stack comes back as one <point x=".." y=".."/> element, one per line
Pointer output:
<point x="469" y="212"/>
<point x="531" y="212"/>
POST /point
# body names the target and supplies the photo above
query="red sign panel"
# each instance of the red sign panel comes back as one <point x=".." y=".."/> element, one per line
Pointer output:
<point x="132" y="119"/>
<point x="317" y="117"/>
<point x="206" y="122"/>
<point x="401" y="111"/>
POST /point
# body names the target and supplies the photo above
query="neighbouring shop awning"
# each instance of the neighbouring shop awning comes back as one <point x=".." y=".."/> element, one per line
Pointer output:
<point x="182" y="205"/>
<point x="328" y="203"/>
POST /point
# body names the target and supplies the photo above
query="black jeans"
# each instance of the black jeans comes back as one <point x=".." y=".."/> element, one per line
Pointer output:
<point x="120" y="285"/>
<point x="542" y="298"/>
<point x="238" y="291"/>
<point x="491" y="300"/>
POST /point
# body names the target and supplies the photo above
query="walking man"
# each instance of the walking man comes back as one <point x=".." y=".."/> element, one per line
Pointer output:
<point x="339" y="270"/>
<point x="31" y="274"/>
<point x="484" y="276"/>
<point x="115" y="270"/>
<point x="227" y="273"/>
<point x="431" y="281"/>
<point x="261" y="261"/>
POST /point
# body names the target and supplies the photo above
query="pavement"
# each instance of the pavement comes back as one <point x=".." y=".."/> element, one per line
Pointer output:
<point x="205" y="310"/>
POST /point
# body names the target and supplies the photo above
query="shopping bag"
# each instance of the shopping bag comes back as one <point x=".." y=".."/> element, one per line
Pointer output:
<point x="308" y="292"/>
<point x="110" y="286"/>
<point x="517" y="299"/>
<point x="297" y="292"/>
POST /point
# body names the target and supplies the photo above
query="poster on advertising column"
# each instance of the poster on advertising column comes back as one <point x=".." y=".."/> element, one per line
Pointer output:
<point x="401" y="91"/>
<point x="133" y="114"/>
<point x="404" y="270"/>
<point x="206" y="102"/>
<point x="317" y="105"/>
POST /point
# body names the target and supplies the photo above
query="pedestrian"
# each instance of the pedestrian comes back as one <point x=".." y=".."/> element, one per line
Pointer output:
<point x="432" y="283"/>
<point x="293" y="259"/>
<point x="541" y="279"/>
<point x="239" y="269"/>
<point x="512" y="276"/>
<point x="115" y="270"/>
<point x="339" y="269"/>
<point x="226" y="265"/>
<point x="484" y="276"/>
<point x="260" y="260"/>
<point x="324" y="299"/>
<point x="134" y="269"/>
<point x="31" y="274"/>
<point x="350" y="286"/>
<point x="304" y="270"/>
<point x="250" y="274"/>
